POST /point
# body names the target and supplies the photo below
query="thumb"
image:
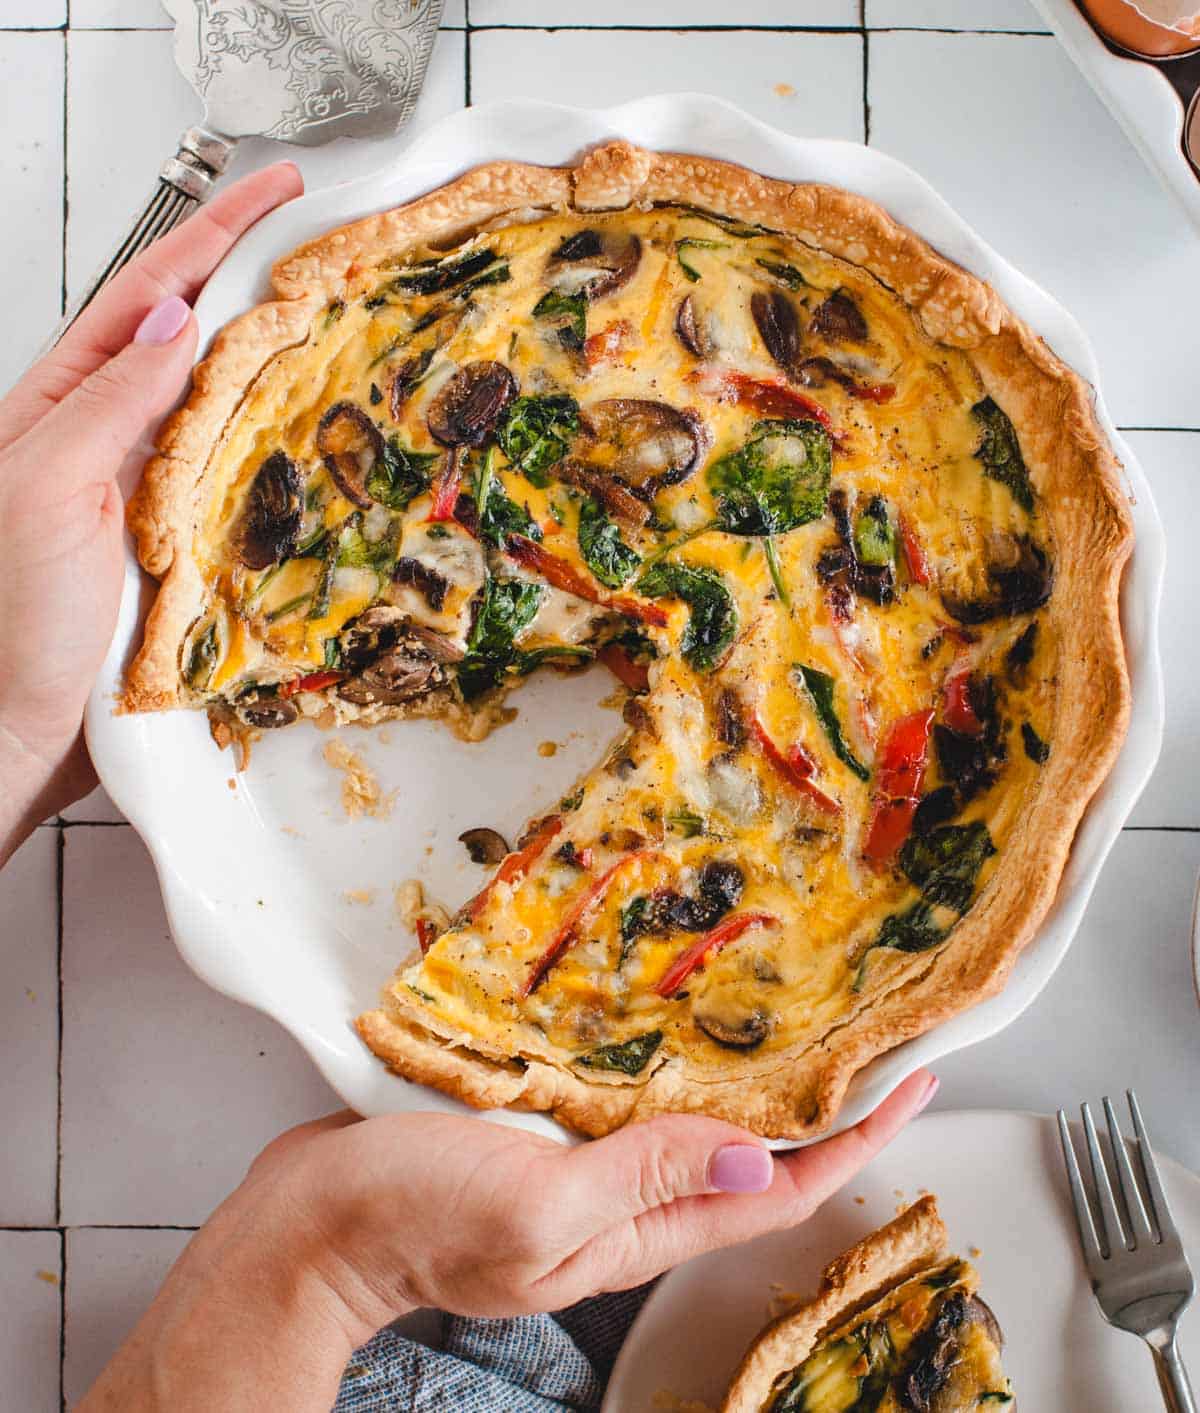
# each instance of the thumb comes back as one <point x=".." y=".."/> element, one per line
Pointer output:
<point x="89" y="434"/>
<point x="647" y="1165"/>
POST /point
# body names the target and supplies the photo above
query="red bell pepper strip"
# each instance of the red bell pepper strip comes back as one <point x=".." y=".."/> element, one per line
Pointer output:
<point x="584" y="905"/>
<point x="446" y="487"/>
<point x="872" y="392"/>
<point x="313" y="682"/>
<point x="515" y="865"/>
<point x="563" y="575"/>
<point x="914" y="553"/>
<point x="608" y="343"/>
<point x="957" y="710"/>
<point x="704" y="947"/>
<point x="796" y="766"/>
<point x="901" y="771"/>
<point x="635" y="675"/>
<point x="426" y="934"/>
<point x="775" y="399"/>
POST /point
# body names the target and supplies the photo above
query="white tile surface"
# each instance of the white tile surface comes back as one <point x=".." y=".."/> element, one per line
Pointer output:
<point x="1172" y="462"/>
<point x="951" y="14"/>
<point x="824" y="72"/>
<point x="169" y="1090"/>
<point x="114" y="156"/>
<point x="29" y="1033"/>
<point x="112" y="1277"/>
<point x="1120" y="1012"/>
<point x="31" y="158"/>
<point x="664" y="13"/>
<point x="29" y="1328"/>
<point x="95" y="808"/>
<point x="1010" y="134"/>
<point x="119" y="14"/>
<point x="32" y="14"/>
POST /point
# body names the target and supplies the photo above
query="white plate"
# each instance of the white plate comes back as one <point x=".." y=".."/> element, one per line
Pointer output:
<point x="253" y="876"/>
<point x="999" y="1181"/>
<point x="1137" y="93"/>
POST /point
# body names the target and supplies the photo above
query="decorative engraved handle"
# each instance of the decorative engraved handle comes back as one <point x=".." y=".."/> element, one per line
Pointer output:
<point x="184" y="181"/>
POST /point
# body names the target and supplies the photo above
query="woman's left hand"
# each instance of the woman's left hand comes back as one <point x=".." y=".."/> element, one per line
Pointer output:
<point x="66" y="430"/>
<point x="344" y="1224"/>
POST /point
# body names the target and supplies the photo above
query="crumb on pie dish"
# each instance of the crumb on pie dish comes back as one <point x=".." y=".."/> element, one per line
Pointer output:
<point x="845" y="531"/>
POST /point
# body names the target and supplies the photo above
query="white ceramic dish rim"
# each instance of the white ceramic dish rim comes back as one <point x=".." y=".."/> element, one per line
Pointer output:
<point x="216" y="936"/>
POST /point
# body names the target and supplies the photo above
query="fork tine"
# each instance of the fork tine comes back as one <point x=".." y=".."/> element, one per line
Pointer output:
<point x="1138" y="1221"/>
<point x="1092" y="1254"/>
<point x="1106" y="1203"/>
<point x="1158" y="1198"/>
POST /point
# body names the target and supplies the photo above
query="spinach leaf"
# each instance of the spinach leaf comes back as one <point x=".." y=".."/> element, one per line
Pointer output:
<point x="636" y="918"/>
<point x="776" y="482"/>
<point x="525" y="662"/>
<point x="945" y="862"/>
<point x="874" y="537"/>
<point x="821" y="689"/>
<point x="202" y="660"/>
<point x="692" y="243"/>
<point x="913" y="930"/>
<point x="399" y="476"/>
<point x="507" y="606"/>
<point x="333" y="313"/>
<point x="1036" y="749"/>
<point x="569" y="312"/>
<point x="714" y="616"/>
<point x="433" y="276"/>
<point x="355" y="551"/>
<point x="739" y="229"/>
<point x="1000" y="452"/>
<point x="570" y="803"/>
<point x="604" y="551"/>
<point x="535" y="433"/>
<point x="687" y="822"/>
<point x="630" y="1057"/>
<point x="498" y="515"/>
<point x="786" y="274"/>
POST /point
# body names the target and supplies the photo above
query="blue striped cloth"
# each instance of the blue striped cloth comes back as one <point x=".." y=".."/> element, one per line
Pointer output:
<point x="528" y="1364"/>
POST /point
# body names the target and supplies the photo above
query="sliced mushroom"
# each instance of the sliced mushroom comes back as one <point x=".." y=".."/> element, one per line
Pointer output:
<point x="731" y="718"/>
<point x="265" y="710"/>
<point x="690" y="330"/>
<point x="428" y="582"/>
<point x="616" y="499"/>
<point x="940" y="1380"/>
<point x="742" y="1033"/>
<point x="350" y="444"/>
<point x="484" y="846"/>
<point x="402" y="673"/>
<point x="270" y="520"/>
<point x="839" y="319"/>
<point x="778" y="325"/>
<point x="594" y="263"/>
<point x="378" y="630"/>
<point x="1020" y="578"/>
<point x="644" y="444"/>
<point x="468" y="407"/>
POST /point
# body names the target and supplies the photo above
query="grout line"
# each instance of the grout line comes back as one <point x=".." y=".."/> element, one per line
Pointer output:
<point x="672" y="29"/>
<point x="65" y="163"/>
<point x="467" y="67"/>
<point x="97" y="1226"/>
<point x="62" y="1321"/>
<point x="1160" y="829"/>
<point x="58" y="1145"/>
<point x="1193" y="430"/>
<point x="866" y="80"/>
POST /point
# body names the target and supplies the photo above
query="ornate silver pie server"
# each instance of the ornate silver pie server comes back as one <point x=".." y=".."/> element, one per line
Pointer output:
<point x="302" y="71"/>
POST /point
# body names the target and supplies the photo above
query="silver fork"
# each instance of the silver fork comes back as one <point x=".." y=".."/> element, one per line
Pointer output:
<point x="1137" y="1265"/>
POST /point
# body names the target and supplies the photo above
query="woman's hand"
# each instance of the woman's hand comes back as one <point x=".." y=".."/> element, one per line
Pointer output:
<point x="66" y="430"/>
<point x="344" y="1224"/>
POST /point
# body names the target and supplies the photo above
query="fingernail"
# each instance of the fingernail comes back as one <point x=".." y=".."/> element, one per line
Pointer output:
<point x="927" y="1098"/>
<point x="740" y="1167"/>
<point x="163" y="322"/>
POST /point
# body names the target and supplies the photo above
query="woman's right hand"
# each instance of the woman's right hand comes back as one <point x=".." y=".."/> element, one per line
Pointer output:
<point x="346" y="1223"/>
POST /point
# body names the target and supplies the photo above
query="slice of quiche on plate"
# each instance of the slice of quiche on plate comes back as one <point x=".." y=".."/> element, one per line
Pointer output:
<point x="896" y="1325"/>
<point x="848" y="534"/>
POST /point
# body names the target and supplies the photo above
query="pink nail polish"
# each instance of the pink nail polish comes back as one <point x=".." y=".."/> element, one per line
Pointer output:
<point x="163" y="322"/>
<point x="740" y="1167"/>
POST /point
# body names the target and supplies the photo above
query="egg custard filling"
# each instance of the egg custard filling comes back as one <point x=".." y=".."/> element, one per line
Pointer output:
<point x="897" y="1327"/>
<point x="730" y="463"/>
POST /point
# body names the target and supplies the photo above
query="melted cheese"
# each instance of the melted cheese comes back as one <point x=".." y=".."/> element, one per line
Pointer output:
<point x="675" y="796"/>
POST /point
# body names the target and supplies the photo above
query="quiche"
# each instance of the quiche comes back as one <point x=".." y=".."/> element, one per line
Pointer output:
<point x="845" y="530"/>
<point x="896" y="1327"/>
